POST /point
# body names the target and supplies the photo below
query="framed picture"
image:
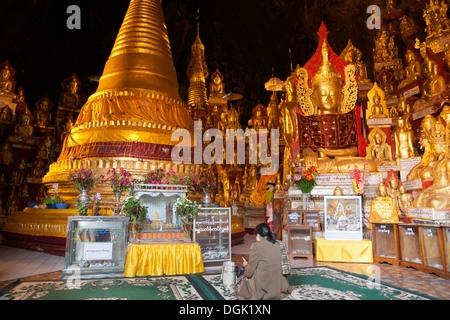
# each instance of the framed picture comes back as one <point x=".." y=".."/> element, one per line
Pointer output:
<point x="343" y="218"/>
<point x="294" y="217"/>
<point x="312" y="218"/>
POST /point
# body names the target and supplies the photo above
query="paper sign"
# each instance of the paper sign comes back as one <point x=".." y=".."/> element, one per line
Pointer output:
<point x="97" y="251"/>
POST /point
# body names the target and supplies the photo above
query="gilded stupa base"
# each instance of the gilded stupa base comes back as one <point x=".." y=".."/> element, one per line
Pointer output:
<point x="59" y="171"/>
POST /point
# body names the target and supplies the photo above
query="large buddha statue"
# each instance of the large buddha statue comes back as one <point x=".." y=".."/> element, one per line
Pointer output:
<point x="328" y="122"/>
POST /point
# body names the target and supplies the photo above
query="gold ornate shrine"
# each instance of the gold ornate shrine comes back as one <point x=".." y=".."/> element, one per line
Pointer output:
<point x="128" y="122"/>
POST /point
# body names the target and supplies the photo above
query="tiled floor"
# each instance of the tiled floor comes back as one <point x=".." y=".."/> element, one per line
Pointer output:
<point x="17" y="263"/>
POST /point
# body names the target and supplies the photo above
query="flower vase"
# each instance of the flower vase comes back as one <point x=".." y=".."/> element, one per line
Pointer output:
<point x="187" y="232"/>
<point x="117" y="195"/>
<point x="83" y="198"/>
<point x="207" y="199"/>
<point x="134" y="232"/>
<point x="305" y="200"/>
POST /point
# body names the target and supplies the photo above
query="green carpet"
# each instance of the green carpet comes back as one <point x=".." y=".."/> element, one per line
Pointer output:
<point x="314" y="283"/>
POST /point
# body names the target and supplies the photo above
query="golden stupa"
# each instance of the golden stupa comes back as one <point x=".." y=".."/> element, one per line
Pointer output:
<point x="128" y="122"/>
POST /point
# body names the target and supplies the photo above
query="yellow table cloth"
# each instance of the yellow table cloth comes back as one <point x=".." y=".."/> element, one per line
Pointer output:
<point x="344" y="250"/>
<point x="163" y="259"/>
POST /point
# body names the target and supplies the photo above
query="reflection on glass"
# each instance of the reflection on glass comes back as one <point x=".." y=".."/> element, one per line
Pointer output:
<point x="409" y="236"/>
<point x="431" y="249"/>
<point x="384" y="238"/>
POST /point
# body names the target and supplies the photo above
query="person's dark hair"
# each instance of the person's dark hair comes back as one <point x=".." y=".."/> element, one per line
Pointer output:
<point x="264" y="231"/>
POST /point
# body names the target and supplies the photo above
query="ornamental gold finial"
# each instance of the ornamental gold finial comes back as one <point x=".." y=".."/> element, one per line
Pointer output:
<point x="326" y="72"/>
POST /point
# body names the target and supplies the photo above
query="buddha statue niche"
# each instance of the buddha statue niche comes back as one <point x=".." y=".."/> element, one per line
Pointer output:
<point x="328" y="121"/>
<point x="376" y="108"/>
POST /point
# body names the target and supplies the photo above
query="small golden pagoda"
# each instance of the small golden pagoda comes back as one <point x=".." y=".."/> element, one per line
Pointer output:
<point x="128" y="122"/>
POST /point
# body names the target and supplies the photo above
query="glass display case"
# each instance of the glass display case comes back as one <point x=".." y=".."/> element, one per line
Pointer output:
<point x="433" y="255"/>
<point x="300" y="241"/>
<point x="96" y="245"/>
<point x="312" y="218"/>
<point x="446" y="234"/>
<point x="343" y="218"/>
<point x="294" y="217"/>
<point x="386" y="243"/>
<point x="212" y="231"/>
<point x="410" y="246"/>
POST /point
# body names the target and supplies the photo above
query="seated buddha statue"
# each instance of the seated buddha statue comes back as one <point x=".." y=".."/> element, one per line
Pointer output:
<point x="6" y="156"/>
<point x="259" y="119"/>
<point x="23" y="131"/>
<point x="405" y="200"/>
<point x="6" y="114"/>
<point x="383" y="208"/>
<point x="413" y="70"/>
<point x="378" y="150"/>
<point x="70" y="100"/>
<point x="432" y="87"/>
<point x="353" y="55"/>
<point x="6" y="84"/>
<point x="377" y="108"/>
<point x="328" y="123"/>
<point x="386" y="84"/>
<point x="43" y="116"/>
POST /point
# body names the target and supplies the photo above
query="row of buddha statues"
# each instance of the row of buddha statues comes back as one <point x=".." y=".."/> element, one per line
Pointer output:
<point x="30" y="140"/>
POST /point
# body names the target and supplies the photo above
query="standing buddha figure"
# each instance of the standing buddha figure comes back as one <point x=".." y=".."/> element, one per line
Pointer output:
<point x="404" y="137"/>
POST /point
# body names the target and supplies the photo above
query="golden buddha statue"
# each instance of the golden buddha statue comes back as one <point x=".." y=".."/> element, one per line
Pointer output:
<point x="43" y="116"/>
<point x="6" y="156"/>
<point x="378" y="150"/>
<point x="259" y="120"/>
<point x="216" y="86"/>
<point x="438" y="194"/>
<point x="376" y="108"/>
<point x="404" y="137"/>
<point x="6" y="84"/>
<point x="6" y="114"/>
<point x="433" y="86"/>
<point x="23" y="131"/>
<point x="405" y="200"/>
<point x="66" y="129"/>
<point x="251" y="184"/>
<point x="431" y="151"/>
<point x="386" y="84"/>
<point x="393" y="184"/>
<point x="353" y="55"/>
<point x="408" y="26"/>
<point x="327" y="103"/>
<point x="435" y="16"/>
<point x="70" y="100"/>
<point x="413" y="70"/>
<point x="233" y="119"/>
<point x="222" y="123"/>
<point x="383" y="208"/>
<point x="402" y="108"/>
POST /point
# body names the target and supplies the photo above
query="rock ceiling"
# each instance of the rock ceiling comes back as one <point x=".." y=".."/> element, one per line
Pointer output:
<point x="244" y="39"/>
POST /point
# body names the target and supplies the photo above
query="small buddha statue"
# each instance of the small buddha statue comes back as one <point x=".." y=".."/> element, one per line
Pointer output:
<point x="383" y="208"/>
<point x="6" y="84"/>
<point x="404" y="137"/>
<point x="6" y="156"/>
<point x="402" y="108"/>
<point x="66" y="129"/>
<point x="6" y="114"/>
<point x="222" y="124"/>
<point x="393" y="184"/>
<point x="433" y="85"/>
<point x="408" y="26"/>
<point x="377" y="108"/>
<point x="386" y="84"/>
<point x="70" y="100"/>
<point x="20" y="96"/>
<point x="378" y="150"/>
<point x="353" y="55"/>
<point x="38" y="169"/>
<point x="217" y="87"/>
<point x="435" y="16"/>
<point x="338" y="192"/>
<point x="259" y="119"/>
<point x="43" y="115"/>
<point x="251" y="184"/>
<point x="23" y="130"/>
<point x="405" y="200"/>
<point x="233" y="118"/>
<point x="413" y="69"/>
